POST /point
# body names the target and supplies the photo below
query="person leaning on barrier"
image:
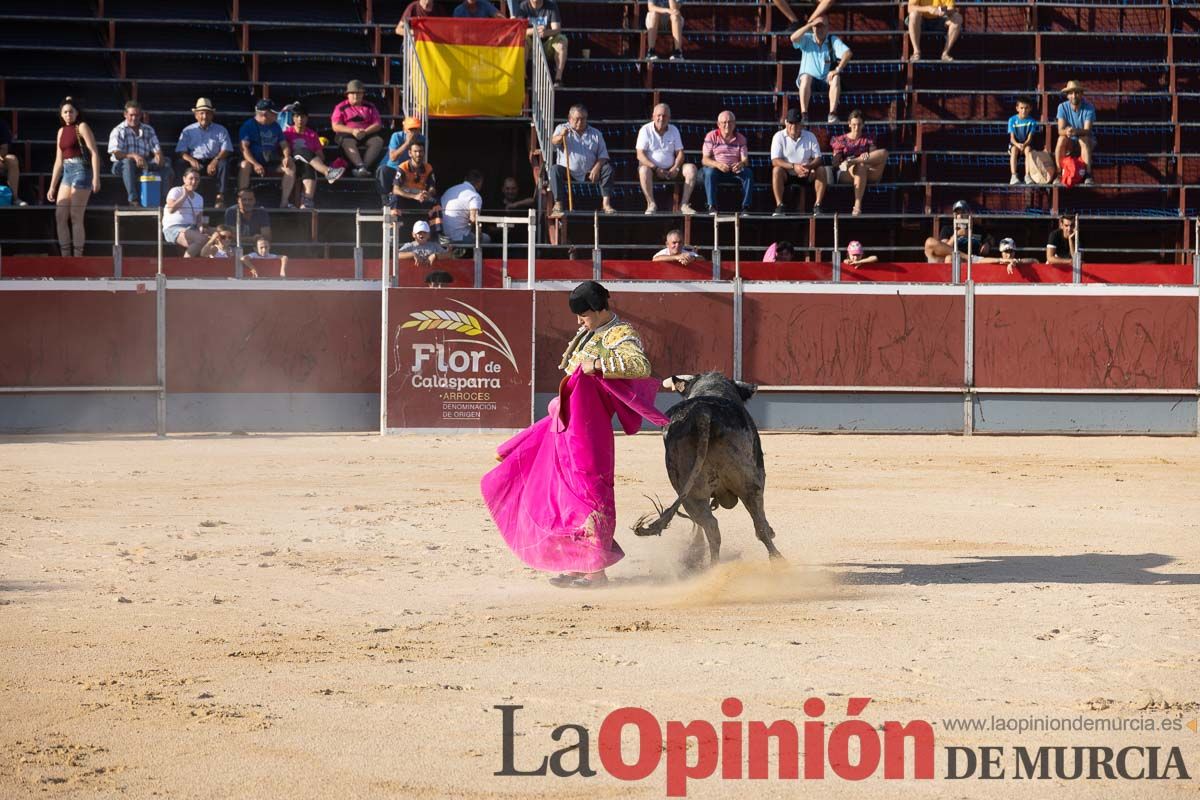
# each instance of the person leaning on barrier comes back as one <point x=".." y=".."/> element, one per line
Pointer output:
<point x="1060" y="248"/>
<point x="461" y="205"/>
<point x="545" y="25"/>
<point x="675" y="250"/>
<point x="660" y="156"/>
<point x="954" y="235"/>
<point x="587" y="159"/>
<point x="783" y="250"/>
<point x="422" y="250"/>
<point x="206" y="146"/>
<point x="262" y="252"/>
<point x="796" y="158"/>
<point x="220" y="244"/>
<point x="135" y="151"/>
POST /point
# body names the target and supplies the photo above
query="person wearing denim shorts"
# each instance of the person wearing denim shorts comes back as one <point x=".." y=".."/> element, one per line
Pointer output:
<point x="75" y="176"/>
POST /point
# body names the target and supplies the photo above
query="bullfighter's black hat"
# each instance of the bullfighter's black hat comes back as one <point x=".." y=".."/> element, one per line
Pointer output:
<point x="588" y="296"/>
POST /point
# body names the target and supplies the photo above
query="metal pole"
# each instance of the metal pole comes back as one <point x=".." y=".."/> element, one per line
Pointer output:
<point x="970" y="243"/>
<point x="504" y="250"/>
<point x="837" y="251"/>
<point x="969" y="358"/>
<point x="716" y="248"/>
<point x="358" y="251"/>
<point x="737" y="247"/>
<point x="1196" y="255"/>
<point x="1077" y="257"/>
<point x="385" y="343"/>
<point x="160" y="348"/>
<point x="531" y="248"/>
<point x="737" y="327"/>
<point x="159" y="237"/>
<point x="596" y="257"/>
<point x="117" y="243"/>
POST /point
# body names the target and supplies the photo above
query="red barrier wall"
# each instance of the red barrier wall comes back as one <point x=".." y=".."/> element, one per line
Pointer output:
<point x="685" y="332"/>
<point x="853" y="339"/>
<point x="58" y="338"/>
<point x="233" y="340"/>
<point x="1085" y="342"/>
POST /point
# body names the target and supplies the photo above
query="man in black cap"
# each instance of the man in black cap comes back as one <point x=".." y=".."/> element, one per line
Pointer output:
<point x="265" y="151"/>
<point x="605" y="344"/>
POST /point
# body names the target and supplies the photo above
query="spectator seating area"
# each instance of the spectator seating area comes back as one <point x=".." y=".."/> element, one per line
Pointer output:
<point x="942" y="123"/>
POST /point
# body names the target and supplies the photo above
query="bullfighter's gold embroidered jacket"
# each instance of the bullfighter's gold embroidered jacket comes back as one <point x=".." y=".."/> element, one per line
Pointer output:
<point x="616" y="344"/>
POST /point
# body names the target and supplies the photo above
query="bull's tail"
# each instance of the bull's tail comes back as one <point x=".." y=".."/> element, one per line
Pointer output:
<point x="656" y="527"/>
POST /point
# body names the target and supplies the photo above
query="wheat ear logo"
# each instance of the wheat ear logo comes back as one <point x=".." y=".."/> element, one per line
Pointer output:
<point x="459" y="322"/>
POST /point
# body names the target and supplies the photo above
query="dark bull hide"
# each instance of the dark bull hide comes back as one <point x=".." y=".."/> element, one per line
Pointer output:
<point x="714" y="457"/>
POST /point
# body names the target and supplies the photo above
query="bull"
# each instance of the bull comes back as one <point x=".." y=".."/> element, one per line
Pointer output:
<point x="714" y="458"/>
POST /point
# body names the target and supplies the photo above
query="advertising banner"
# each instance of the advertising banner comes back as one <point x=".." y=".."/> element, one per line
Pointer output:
<point x="459" y="358"/>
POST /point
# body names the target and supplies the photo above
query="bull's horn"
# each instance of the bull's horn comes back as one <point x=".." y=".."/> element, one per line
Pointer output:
<point x="669" y="383"/>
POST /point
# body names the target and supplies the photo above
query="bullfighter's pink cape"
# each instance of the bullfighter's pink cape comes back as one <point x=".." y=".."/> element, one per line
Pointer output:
<point x="552" y="495"/>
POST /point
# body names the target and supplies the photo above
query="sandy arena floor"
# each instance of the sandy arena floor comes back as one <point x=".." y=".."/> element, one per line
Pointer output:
<point x="334" y="616"/>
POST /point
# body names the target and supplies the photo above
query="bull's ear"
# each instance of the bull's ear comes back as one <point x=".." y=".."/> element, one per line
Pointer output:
<point x="678" y="383"/>
<point x="746" y="390"/>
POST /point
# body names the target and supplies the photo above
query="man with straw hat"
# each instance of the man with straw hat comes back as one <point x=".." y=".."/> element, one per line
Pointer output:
<point x="205" y="146"/>
<point x="1076" y="120"/>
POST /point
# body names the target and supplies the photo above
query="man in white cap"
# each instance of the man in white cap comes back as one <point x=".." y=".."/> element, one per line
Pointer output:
<point x="1076" y="118"/>
<point x="206" y="146"/>
<point x="422" y="249"/>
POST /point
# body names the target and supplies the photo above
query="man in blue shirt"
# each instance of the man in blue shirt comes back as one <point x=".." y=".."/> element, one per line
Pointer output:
<point x="818" y="48"/>
<point x="1021" y="127"/>
<point x="265" y="151"/>
<point x="1076" y="118"/>
<point x="478" y="9"/>
<point x="204" y="145"/>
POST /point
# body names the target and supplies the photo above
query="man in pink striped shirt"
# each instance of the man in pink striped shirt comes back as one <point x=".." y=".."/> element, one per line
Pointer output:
<point x="726" y="159"/>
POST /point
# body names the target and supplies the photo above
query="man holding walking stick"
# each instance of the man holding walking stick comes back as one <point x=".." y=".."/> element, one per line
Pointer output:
<point x="584" y="157"/>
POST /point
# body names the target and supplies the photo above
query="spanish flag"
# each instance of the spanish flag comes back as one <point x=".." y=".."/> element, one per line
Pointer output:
<point x="473" y="67"/>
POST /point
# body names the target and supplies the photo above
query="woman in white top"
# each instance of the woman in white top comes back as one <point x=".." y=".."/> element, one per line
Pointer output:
<point x="182" y="218"/>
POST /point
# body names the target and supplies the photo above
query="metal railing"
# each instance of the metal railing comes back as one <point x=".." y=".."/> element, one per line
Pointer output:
<point x="138" y="212"/>
<point x="541" y="101"/>
<point x="415" y="94"/>
<point x="504" y="223"/>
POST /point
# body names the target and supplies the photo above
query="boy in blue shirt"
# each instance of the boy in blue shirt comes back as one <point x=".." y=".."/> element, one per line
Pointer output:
<point x="1076" y="117"/>
<point x="1021" y="128"/>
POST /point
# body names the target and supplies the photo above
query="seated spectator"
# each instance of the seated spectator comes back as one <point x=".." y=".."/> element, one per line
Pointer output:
<point x="135" y="151"/>
<point x="417" y="8"/>
<point x="783" y="250"/>
<point x="726" y="159"/>
<point x="855" y="257"/>
<point x="941" y="10"/>
<point x="206" y="146"/>
<point x="1060" y="248"/>
<point x="660" y="157"/>
<point x="546" y="25"/>
<point x="181" y="217"/>
<point x="510" y="196"/>
<point x="796" y="158"/>
<point x="818" y="47"/>
<point x="820" y="10"/>
<point x="249" y="215"/>
<point x="856" y="159"/>
<point x="76" y="175"/>
<point x="397" y="151"/>
<point x="305" y="147"/>
<point x="478" y="9"/>
<point x="460" y="207"/>
<point x="675" y="250"/>
<point x="10" y="167"/>
<point x="265" y="151"/>
<point x="1021" y="129"/>
<point x="415" y="186"/>
<point x="1076" y="118"/>
<point x="587" y="156"/>
<point x="220" y="244"/>
<point x="423" y="250"/>
<point x="954" y="236"/>
<point x="657" y="12"/>
<point x="262" y="252"/>
<point x="438" y="280"/>
<point x="1008" y="257"/>
<point x="358" y="126"/>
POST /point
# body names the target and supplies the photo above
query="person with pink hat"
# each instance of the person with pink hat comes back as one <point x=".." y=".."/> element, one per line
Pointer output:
<point x="855" y="255"/>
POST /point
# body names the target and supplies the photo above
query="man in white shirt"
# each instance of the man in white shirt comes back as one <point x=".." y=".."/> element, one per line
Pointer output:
<point x="460" y="207"/>
<point x="675" y="250"/>
<point x="796" y="157"/>
<point x="660" y="157"/>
